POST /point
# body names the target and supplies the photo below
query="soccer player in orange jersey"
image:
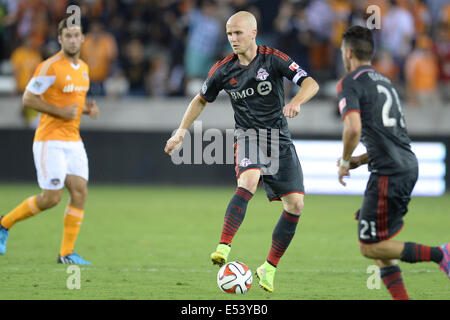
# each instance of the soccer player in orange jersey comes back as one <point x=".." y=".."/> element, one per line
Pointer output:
<point x="58" y="90"/>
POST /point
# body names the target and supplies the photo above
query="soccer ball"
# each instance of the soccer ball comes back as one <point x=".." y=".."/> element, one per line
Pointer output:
<point x="234" y="277"/>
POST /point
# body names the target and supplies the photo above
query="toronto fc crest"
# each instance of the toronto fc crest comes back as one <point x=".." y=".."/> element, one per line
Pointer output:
<point x="262" y="74"/>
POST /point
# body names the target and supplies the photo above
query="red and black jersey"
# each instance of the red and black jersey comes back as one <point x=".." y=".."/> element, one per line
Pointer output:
<point x="256" y="91"/>
<point x="384" y="131"/>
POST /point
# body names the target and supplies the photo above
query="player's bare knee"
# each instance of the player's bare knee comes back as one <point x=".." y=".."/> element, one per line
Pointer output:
<point x="54" y="199"/>
<point x="367" y="250"/>
<point x="295" y="207"/>
<point x="372" y="251"/>
<point x="79" y="195"/>
<point x="248" y="184"/>
<point x="49" y="200"/>
<point x="299" y="206"/>
<point x="381" y="263"/>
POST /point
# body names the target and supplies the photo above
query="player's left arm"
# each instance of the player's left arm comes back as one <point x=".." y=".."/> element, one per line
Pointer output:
<point x="308" y="89"/>
<point x="350" y="138"/>
<point x="356" y="161"/>
<point x="91" y="109"/>
<point x="288" y="68"/>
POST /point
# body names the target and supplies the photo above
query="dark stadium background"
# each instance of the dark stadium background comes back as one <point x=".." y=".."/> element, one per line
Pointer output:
<point x="154" y="56"/>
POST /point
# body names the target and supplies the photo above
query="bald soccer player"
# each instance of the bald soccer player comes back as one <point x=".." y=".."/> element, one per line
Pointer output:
<point x="252" y="76"/>
<point x="58" y="90"/>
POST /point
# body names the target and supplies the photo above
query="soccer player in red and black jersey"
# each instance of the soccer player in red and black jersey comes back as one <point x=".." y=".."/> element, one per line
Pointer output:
<point x="371" y="111"/>
<point x="252" y="76"/>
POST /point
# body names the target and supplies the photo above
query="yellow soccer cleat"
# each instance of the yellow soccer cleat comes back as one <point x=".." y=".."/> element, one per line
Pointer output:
<point x="266" y="274"/>
<point x="220" y="256"/>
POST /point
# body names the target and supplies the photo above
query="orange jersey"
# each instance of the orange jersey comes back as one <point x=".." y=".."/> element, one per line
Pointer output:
<point x="60" y="83"/>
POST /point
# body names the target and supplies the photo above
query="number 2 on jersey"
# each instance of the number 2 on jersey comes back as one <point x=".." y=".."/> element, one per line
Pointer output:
<point x="387" y="121"/>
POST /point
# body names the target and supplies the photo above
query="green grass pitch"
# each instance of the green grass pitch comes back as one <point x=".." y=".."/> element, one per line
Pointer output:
<point x="154" y="243"/>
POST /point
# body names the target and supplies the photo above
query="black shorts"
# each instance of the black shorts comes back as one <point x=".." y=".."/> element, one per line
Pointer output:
<point x="385" y="203"/>
<point x="287" y="179"/>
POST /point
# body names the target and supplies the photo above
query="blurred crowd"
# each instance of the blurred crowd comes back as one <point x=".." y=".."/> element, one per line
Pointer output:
<point x="156" y="47"/>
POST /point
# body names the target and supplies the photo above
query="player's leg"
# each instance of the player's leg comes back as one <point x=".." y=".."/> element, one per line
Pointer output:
<point x="282" y="235"/>
<point x="391" y="275"/>
<point x="384" y="219"/>
<point x="235" y="213"/>
<point x="74" y="213"/>
<point x="377" y="224"/>
<point x="410" y="252"/>
<point x="50" y="169"/>
<point x="285" y="228"/>
<point x="285" y="185"/>
<point x="28" y="208"/>
<point x="73" y="218"/>
<point x="31" y="206"/>
<point x="381" y="218"/>
<point x="405" y="251"/>
<point x="76" y="183"/>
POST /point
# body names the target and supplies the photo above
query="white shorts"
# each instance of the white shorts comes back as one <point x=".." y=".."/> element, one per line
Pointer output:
<point x="56" y="159"/>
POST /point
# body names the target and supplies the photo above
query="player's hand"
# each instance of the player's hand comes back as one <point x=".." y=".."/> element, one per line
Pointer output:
<point x="354" y="162"/>
<point x="92" y="109"/>
<point x="290" y="111"/>
<point x="173" y="144"/>
<point x="343" y="171"/>
<point x="68" y="112"/>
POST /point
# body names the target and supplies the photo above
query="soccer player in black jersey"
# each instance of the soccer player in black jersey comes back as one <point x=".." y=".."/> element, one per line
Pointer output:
<point x="371" y="111"/>
<point x="252" y="76"/>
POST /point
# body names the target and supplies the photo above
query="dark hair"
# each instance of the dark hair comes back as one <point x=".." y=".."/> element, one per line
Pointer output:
<point x="360" y="41"/>
<point x="63" y="25"/>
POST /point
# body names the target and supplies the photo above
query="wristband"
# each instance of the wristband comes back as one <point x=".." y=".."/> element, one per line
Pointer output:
<point x="344" y="163"/>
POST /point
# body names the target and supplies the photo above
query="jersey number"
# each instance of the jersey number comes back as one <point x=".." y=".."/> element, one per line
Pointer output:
<point x="387" y="121"/>
<point x="365" y="227"/>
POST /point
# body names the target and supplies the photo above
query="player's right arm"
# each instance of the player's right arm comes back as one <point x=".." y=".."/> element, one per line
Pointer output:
<point x="43" y="78"/>
<point x="210" y="89"/>
<point x="193" y="111"/>
<point x="348" y="96"/>
<point x="35" y="102"/>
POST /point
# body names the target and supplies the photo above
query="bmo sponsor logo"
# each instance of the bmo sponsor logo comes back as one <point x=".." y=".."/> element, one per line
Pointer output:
<point x="236" y="95"/>
<point x="263" y="88"/>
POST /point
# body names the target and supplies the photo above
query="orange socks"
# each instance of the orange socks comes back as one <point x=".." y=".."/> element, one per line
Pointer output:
<point x="72" y="224"/>
<point x="26" y="209"/>
<point x="72" y="221"/>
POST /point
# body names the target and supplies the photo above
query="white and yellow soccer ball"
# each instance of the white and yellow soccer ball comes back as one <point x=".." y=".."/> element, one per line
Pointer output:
<point x="234" y="277"/>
